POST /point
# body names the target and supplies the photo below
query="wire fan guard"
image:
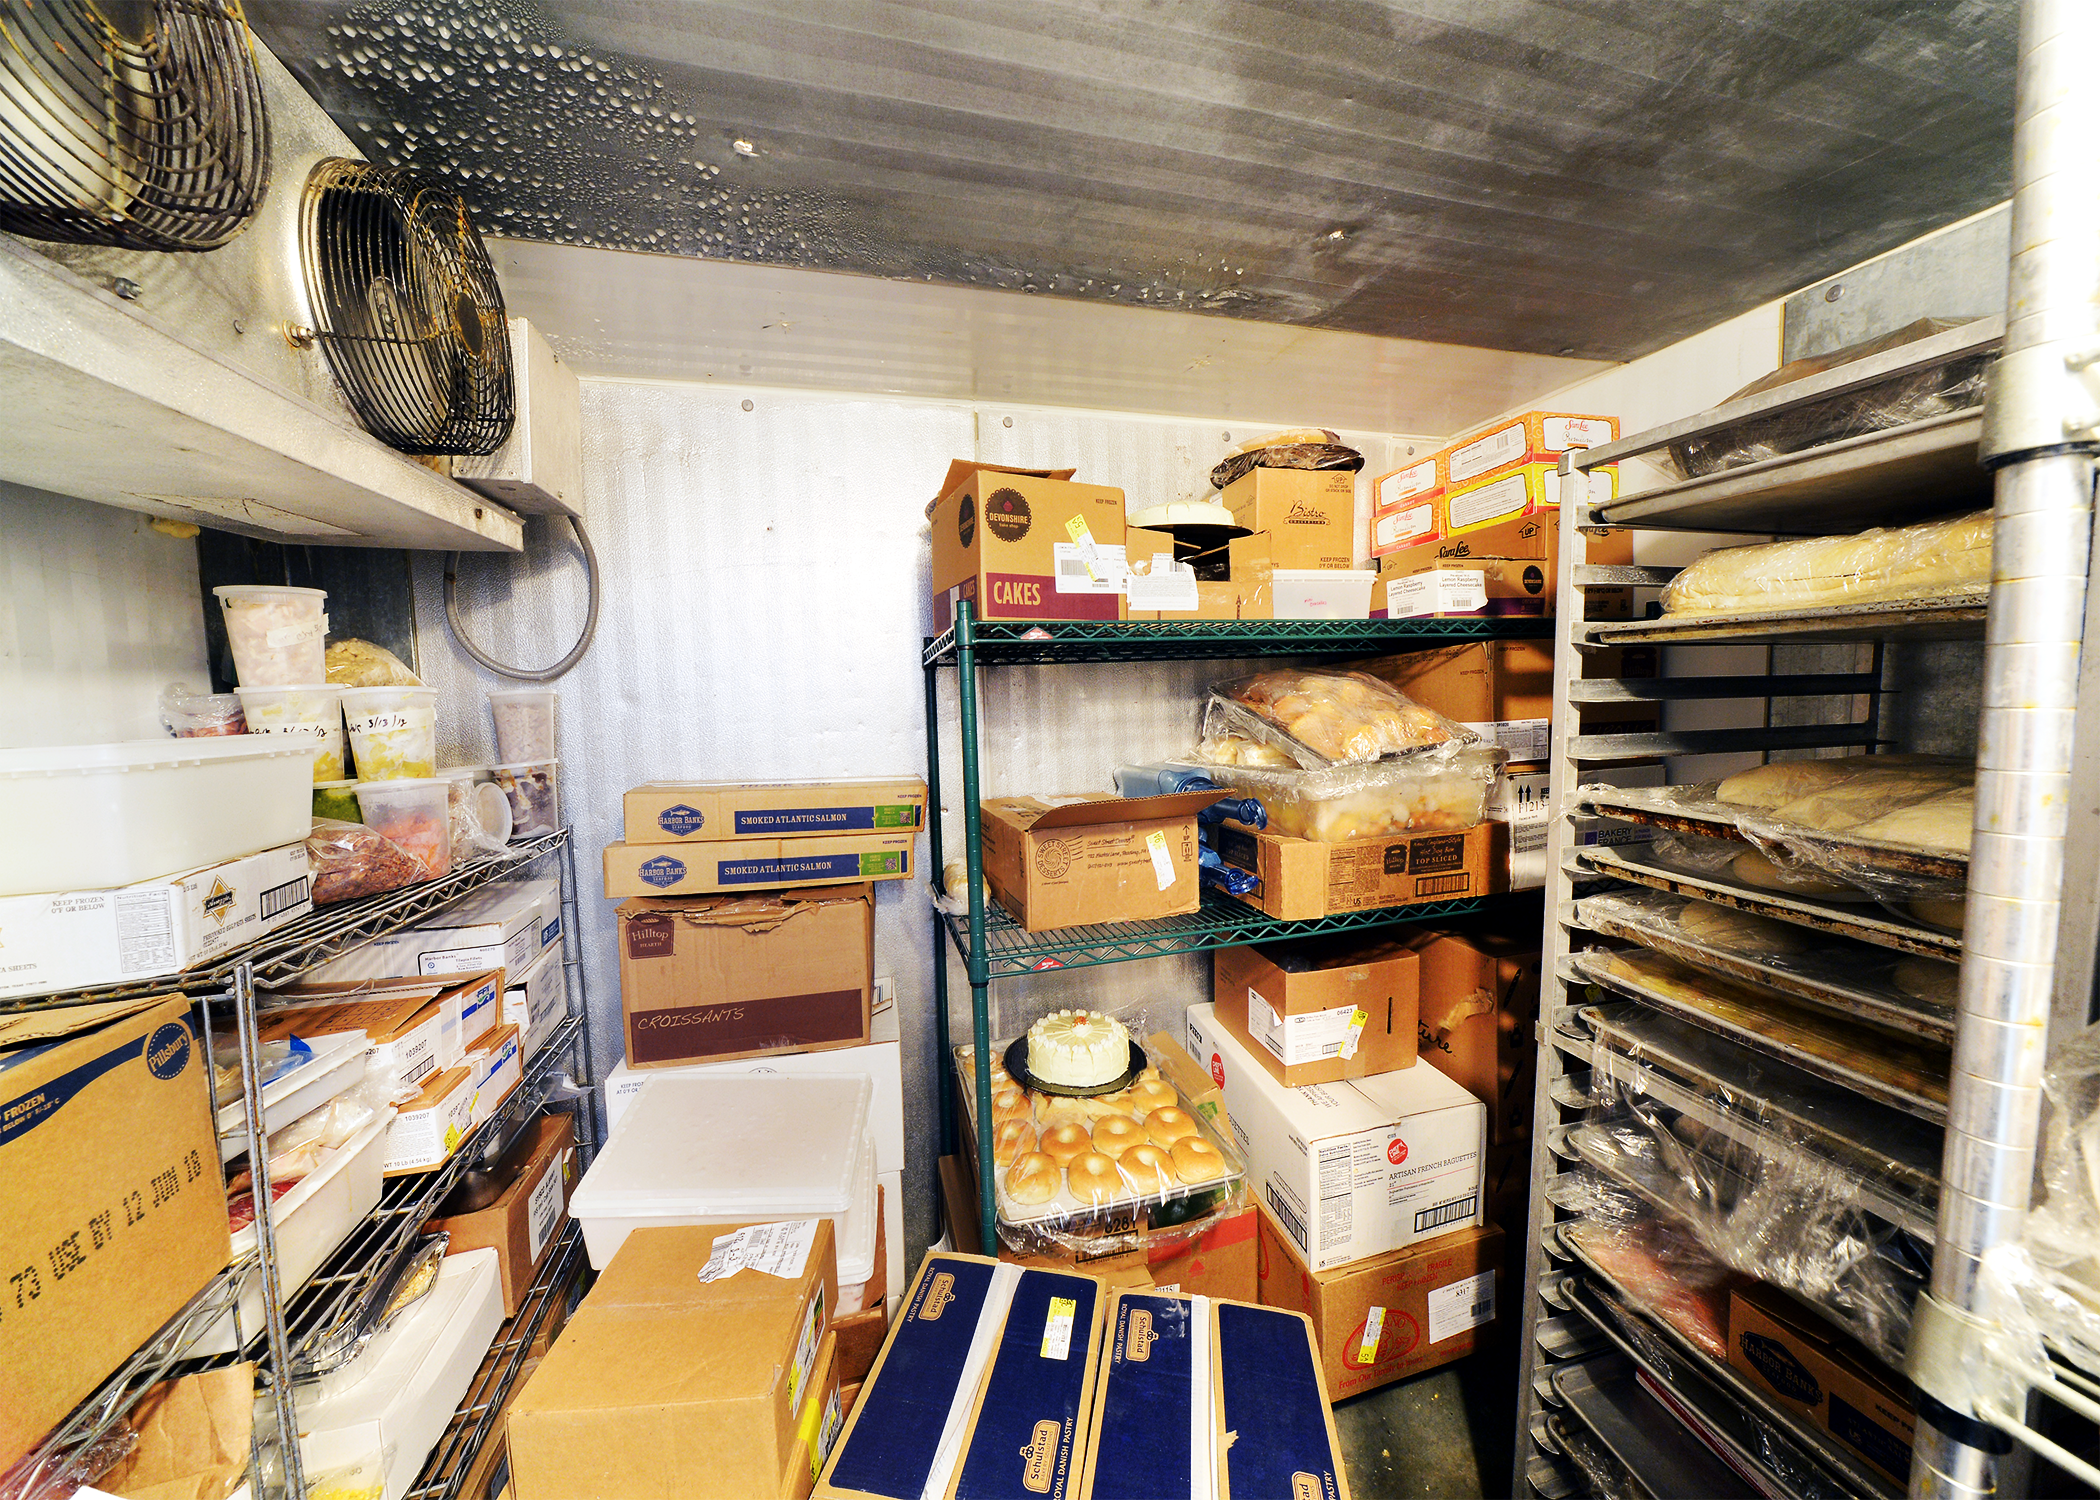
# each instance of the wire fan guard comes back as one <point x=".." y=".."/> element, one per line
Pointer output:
<point x="137" y="123"/>
<point x="406" y="306"/>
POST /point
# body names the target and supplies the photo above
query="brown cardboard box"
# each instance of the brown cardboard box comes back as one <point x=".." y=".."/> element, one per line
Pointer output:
<point x="667" y="1387"/>
<point x="1303" y="878"/>
<point x="496" y="1448"/>
<point x="523" y="1223"/>
<point x="1515" y="549"/>
<point x="1013" y="543"/>
<point x="1815" y="1371"/>
<point x="1528" y="490"/>
<point x="1066" y="861"/>
<point x="112" y="1210"/>
<point x="1480" y="996"/>
<point x="860" y="1334"/>
<point x="1200" y="1092"/>
<point x="193" y="1436"/>
<point x="700" y="869"/>
<point x="1321" y="1009"/>
<point x="817" y="1428"/>
<point x="711" y="978"/>
<point x="673" y="812"/>
<point x="1532" y="437"/>
<point x="1248" y="566"/>
<point x="1309" y="514"/>
<point x="1503" y="690"/>
<point x="1391" y="1316"/>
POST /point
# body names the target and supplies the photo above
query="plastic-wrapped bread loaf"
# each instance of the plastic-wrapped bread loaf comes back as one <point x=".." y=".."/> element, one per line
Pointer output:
<point x="1933" y="560"/>
<point x="1322" y="718"/>
<point x="1782" y="781"/>
<point x="1945" y="822"/>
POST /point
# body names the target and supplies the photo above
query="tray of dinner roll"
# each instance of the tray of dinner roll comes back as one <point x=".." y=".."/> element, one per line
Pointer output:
<point x="1109" y="1157"/>
<point x="1901" y="991"/>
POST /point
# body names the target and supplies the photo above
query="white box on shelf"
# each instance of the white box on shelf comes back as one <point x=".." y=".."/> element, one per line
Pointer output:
<point x="892" y="1186"/>
<point x="331" y="1070"/>
<point x="1523" y="799"/>
<point x="509" y="923"/>
<point x="1350" y="1169"/>
<point x="1321" y="593"/>
<point x="538" y="1001"/>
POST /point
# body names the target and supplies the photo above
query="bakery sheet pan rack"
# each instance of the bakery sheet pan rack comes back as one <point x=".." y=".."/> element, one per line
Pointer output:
<point x="1605" y="1400"/>
<point x="1956" y="618"/>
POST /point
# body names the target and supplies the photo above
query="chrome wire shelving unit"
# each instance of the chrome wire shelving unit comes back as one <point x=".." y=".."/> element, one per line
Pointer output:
<point x="297" y="1321"/>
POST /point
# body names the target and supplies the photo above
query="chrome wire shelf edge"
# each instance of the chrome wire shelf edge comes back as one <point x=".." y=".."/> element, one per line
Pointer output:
<point x="1957" y="618"/>
<point x="474" y="1423"/>
<point x="1047" y="642"/>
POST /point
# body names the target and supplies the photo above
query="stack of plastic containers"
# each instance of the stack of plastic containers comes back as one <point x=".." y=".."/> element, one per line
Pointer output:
<point x="279" y="638"/>
<point x="527" y="768"/>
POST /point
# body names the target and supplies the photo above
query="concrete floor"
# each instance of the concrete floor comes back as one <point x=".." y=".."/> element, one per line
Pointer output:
<point x="1445" y="1433"/>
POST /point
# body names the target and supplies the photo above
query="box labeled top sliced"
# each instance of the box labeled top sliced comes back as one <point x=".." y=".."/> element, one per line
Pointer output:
<point x="677" y="812"/>
<point x="1025" y="544"/>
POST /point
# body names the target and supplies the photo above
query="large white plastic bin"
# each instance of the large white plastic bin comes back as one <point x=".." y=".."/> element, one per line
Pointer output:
<point x="85" y="817"/>
<point x="738" y="1148"/>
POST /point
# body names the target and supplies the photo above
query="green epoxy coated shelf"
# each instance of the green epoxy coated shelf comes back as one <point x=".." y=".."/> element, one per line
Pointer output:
<point x="1015" y="643"/>
<point x="1222" y="922"/>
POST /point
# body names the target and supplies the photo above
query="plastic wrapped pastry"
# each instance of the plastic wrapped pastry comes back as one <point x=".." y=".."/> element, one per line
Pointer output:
<point x="1321" y="718"/>
<point x="1932" y="560"/>
<point x="1444" y="788"/>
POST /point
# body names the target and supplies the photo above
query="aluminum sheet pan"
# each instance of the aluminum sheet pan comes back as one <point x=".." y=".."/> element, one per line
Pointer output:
<point x="1656" y="1448"/>
<point x="1684" y="810"/>
<point x="1958" y="618"/>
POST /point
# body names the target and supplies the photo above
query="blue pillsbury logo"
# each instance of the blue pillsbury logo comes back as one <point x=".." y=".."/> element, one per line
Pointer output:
<point x="168" y="1051"/>
<point x="663" y="870"/>
<point x="681" y="820"/>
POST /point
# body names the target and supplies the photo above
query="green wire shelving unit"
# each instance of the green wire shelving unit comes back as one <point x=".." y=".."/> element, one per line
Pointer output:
<point x="992" y="945"/>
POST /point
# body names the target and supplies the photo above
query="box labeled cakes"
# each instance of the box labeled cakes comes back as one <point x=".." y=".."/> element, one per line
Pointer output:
<point x="1025" y="544"/>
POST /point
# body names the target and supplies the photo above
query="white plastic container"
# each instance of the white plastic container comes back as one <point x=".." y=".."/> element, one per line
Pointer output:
<point x="534" y="791"/>
<point x="312" y="713"/>
<point x="393" y="731"/>
<point x="411" y="812"/>
<point x="1321" y="594"/>
<point x="525" y="719"/>
<point x="306" y="1088"/>
<point x="279" y="636"/>
<point x="738" y="1148"/>
<point x="85" y="817"/>
<point x="494" y="806"/>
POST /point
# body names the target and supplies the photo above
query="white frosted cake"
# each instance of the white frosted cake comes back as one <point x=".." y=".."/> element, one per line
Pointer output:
<point x="1078" y="1049"/>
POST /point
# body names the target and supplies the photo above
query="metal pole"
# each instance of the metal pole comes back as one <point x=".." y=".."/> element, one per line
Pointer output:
<point x="275" y="1338"/>
<point x="943" y="1054"/>
<point x="2039" y="433"/>
<point x="979" y="968"/>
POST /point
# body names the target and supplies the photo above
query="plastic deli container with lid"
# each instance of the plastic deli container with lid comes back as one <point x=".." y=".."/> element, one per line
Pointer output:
<point x="312" y="712"/>
<point x="338" y="800"/>
<point x="393" y="731"/>
<point x="279" y="636"/>
<point x="84" y="817"/>
<point x="410" y="812"/>
<point x="524" y="724"/>
<point x="534" y="790"/>
<point x="738" y="1148"/>
<point x="476" y="812"/>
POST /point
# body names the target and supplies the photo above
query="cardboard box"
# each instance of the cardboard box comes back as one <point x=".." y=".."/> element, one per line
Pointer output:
<point x="676" y="812"/>
<point x="1391" y="1316"/>
<point x="714" y="978"/>
<point x="1350" y="1169"/>
<point x="667" y="1386"/>
<point x="1409" y="526"/>
<point x="1818" y="1373"/>
<point x="1309" y="514"/>
<point x="523" y="1223"/>
<point x="112" y="1210"/>
<point x="403" y="1030"/>
<point x="1023" y="1384"/>
<point x="1200" y="1093"/>
<point x="859" y="1333"/>
<point x="1157" y="588"/>
<point x="1503" y="690"/>
<point x="77" y="939"/>
<point x="1520" y="559"/>
<point x="1304" y="878"/>
<point x="1526" y="491"/>
<point x="1067" y="861"/>
<point x="537" y="1001"/>
<point x="1321" y="1009"/>
<point x="193" y="1436"/>
<point x="428" y="1129"/>
<point x="506" y="925"/>
<point x="1405" y="489"/>
<point x="1253" y="1372"/>
<point x="1532" y="438"/>
<point x="1025" y="544"/>
<point x="495" y="1452"/>
<point x="698" y="869"/>
<point x="1480" y="998"/>
<point x="498" y="1065"/>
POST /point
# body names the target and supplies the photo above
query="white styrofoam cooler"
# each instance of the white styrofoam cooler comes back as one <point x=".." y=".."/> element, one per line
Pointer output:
<point x="737" y="1148"/>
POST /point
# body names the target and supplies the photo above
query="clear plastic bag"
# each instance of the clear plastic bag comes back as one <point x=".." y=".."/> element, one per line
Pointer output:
<point x="392" y="1294"/>
<point x="60" y="1476"/>
<point x="349" y="860"/>
<point x="188" y="714"/>
<point x="1664" y="1272"/>
<point x="1320" y="718"/>
<point x="1932" y="560"/>
<point x="273" y="1061"/>
<point x="1444" y="787"/>
<point x="361" y="664"/>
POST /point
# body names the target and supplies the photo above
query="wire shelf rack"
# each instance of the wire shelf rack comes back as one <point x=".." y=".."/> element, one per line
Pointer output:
<point x="1049" y="642"/>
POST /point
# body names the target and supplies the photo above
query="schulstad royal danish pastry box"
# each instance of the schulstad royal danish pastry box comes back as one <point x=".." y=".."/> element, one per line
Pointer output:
<point x="1025" y="544"/>
<point x="982" y="1389"/>
<point x="677" y="812"/>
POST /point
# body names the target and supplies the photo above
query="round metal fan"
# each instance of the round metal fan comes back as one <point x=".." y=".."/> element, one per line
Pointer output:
<point x="130" y="122"/>
<point x="406" y="306"/>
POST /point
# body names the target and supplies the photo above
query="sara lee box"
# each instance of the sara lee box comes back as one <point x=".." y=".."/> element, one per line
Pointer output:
<point x="674" y="812"/>
<point x="680" y="1377"/>
<point x="1320" y="1009"/>
<point x="509" y="924"/>
<point x="1067" y="861"/>
<point x="1521" y="561"/>
<point x="983" y="1388"/>
<point x="1480" y="996"/>
<point x="746" y="864"/>
<point x="1818" y="1373"/>
<point x="112" y="1211"/>
<point x="1350" y="1169"/>
<point x="1535" y="437"/>
<point x="711" y="978"/>
<point x="1025" y="544"/>
<point x="521" y="1224"/>
<point x="1305" y="878"/>
<point x="1206" y="1397"/>
<point x="77" y="939"/>
<point x="1527" y="491"/>
<point x="1403" y="506"/>
<point x="1308" y="514"/>
<point x="1390" y="1316"/>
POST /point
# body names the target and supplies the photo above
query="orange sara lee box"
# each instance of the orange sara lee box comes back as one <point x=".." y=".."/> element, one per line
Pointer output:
<point x="1304" y="878"/>
<point x="1067" y="861"/>
<point x="1317" y="1011"/>
<point x="112" y="1210"/>
<point x="1309" y="514"/>
<point x="673" y="812"/>
<point x="1480" y="995"/>
<point x="1817" y="1372"/>
<point x="523" y="1222"/>
<point x="1522" y="491"/>
<point x="1025" y="544"/>
<point x="1391" y="1316"/>
<point x="744" y="864"/>
<point x="1403" y="489"/>
<point x="1535" y="437"/>
<point x="712" y="978"/>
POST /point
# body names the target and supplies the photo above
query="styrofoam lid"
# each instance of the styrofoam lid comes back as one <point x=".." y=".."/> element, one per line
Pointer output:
<point x="744" y="1145"/>
<point x="855" y="1238"/>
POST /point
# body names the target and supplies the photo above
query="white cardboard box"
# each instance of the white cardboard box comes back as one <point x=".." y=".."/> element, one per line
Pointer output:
<point x="1524" y="800"/>
<point x="881" y="1061"/>
<point x="538" y="1001"/>
<point x="498" y="1065"/>
<point x="68" y="940"/>
<point x="426" y="1131"/>
<point x="504" y="925"/>
<point x="1350" y="1169"/>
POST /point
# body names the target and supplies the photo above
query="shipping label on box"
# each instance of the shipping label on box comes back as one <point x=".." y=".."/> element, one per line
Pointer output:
<point x="1026" y="544"/>
<point x="1350" y="1169"/>
<point x="1309" y="514"/>
<point x="731" y="865"/>
<point x="676" y="812"/>
<point x="1436" y="591"/>
<point x="520" y="1225"/>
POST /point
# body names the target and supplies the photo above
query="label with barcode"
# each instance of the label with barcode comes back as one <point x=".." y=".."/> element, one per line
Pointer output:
<point x="1317" y="1036"/>
<point x="282" y="898"/>
<point x="1462" y="1305"/>
<point x="1457" y="1211"/>
<point x="1162" y="858"/>
<point x="1484" y="454"/>
<point x="1057" y="1327"/>
<point x="1287" y="1215"/>
<point x="1367" y="1348"/>
<point x="543" y="1211"/>
<point x="1161" y="584"/>
<point x="1097" y="572"/>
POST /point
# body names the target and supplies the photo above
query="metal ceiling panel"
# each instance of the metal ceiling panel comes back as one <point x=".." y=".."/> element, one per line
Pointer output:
<point x="1586" y="177"/>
